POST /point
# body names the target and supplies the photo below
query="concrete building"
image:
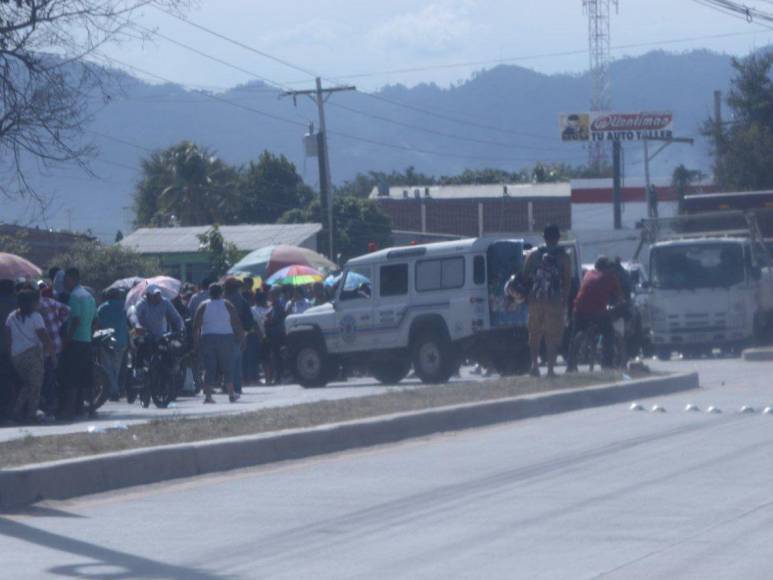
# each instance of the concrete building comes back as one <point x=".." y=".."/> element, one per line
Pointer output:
<point x="178" y="248"/>
<point x="591" y="202"/>
<point x="475" y="210"/>
<point x="41" y="246"/>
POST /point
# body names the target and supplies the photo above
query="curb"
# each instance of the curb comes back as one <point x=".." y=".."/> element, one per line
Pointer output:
<point x="758" y="354"/>
<point x="69" y="478"/>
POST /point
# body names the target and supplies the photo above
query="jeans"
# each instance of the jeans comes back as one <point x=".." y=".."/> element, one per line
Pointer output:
<point x="250" y="358"/>
<point x="77" y="378"/>
<point x="237" y="369"/>
<point x="112" y="360"/>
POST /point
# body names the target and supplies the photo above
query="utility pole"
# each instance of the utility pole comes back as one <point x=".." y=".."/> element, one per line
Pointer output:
<point x="652" y="200"/>
<point x="320" y="96"/>
<point x="616" y="194"/>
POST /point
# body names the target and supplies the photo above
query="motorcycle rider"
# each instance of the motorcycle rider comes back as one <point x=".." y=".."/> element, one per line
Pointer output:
<point x="153" y="316"/>
<point x="599" y="289"/>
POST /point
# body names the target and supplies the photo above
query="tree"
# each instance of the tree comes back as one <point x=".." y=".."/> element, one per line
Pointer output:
<point x="743" y="148"/>
<point x="102" y="265"/>
<point x="358" y="222"/>
<point x="681" y="179"/>
<point x="185" y="185"/>
<point x="270" y="187"/>
<point x="222" y="254"/>
<point x="45" y="83"/>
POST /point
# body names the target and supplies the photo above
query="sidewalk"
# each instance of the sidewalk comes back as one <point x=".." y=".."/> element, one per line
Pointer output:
<point x="253" y="398"/>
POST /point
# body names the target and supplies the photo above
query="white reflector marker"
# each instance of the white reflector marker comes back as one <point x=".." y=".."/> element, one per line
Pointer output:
<point x="635" y="407"/>
<point x="747" y="410"/>
<point x="657" y="409"/>
<point x="714" y="410"/>
<point x="690" y="408"/>
<point x="768" y="411"/>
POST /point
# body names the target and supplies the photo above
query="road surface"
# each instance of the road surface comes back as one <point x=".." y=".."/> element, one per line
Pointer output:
<point x="600" y="493"/>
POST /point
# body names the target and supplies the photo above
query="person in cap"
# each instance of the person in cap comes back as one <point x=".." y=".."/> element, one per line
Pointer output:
<point x="548" y="274"/>
<point x="156" y="315"/>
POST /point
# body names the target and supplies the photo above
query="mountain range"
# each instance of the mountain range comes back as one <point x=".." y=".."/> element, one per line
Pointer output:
<point x="503" y="117"/>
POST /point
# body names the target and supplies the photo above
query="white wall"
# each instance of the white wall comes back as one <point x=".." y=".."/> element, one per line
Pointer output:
<point x="599" y="216"/>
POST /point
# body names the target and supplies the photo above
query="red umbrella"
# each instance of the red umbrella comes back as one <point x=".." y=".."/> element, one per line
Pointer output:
<point x="13" y="267"/>
<point x="170" y="289"/>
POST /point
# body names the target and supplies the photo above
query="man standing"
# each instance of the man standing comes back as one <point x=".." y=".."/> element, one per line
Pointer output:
<point x="217" y="332"/>
<point x="600" y="288"/>
<point x="54" y="314"/>
<point x="233" y="295"/>
<point x="7" y="387"/>
<point x="548" y="273"/>
<point x="111" y="314"/>
<point x="77" y="364"/>
<point x="200" y="296"/>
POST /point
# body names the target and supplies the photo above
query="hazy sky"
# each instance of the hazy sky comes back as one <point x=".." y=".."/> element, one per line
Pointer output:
<point x="347" y="37"/>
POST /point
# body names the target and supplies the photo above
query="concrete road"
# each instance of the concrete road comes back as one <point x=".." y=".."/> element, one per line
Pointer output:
<point x="601" y="493"/>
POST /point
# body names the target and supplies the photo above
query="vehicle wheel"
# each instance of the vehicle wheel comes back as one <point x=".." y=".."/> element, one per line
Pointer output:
<point x="309" y="364"/>
<point x="508" y="363"/>
<point x="161" y="386"/>
<point x="391" y="370"/>
<point x="647" y="350"/>
<point x="433" y="358"/>
<point x="101" y="386"/>
<point x="663" y="355"/>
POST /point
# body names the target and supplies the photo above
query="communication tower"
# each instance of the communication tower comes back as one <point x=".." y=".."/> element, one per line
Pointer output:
<point x="599" y="13"/>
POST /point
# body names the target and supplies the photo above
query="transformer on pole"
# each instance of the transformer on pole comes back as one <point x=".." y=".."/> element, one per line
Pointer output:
<point x="599" y="13"/>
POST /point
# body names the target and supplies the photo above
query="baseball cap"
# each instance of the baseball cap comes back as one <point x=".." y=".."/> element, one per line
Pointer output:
<point x="153" y="290"/>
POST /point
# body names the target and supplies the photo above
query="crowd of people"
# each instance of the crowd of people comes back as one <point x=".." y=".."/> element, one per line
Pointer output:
<point x="235" y="330"/>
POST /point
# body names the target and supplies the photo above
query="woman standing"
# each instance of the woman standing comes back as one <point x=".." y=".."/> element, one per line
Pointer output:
<point x="27" y="339"/>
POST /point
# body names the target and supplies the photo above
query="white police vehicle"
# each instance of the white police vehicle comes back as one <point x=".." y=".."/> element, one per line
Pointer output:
<point x="429" y="306"/>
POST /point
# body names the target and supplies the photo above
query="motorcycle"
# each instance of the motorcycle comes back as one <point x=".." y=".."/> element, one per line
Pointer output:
<point x="101" y="340"/>
<point x="155" y="370"/>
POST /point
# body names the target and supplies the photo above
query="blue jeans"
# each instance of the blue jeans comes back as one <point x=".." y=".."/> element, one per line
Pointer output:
<point x="237" y="369"/>
<point x="112" y="360"/>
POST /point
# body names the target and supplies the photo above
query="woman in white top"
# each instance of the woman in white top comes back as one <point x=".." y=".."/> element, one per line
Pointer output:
<point x="27" y="339"/>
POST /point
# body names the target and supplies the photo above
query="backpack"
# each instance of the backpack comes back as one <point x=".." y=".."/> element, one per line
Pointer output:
<point x="546" y="284"/>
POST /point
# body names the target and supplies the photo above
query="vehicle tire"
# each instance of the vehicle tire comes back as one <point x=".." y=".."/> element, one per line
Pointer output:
<point x="161" y="390"/>
<point x="100" y="386"/>
<point x="507" y="363"/>
<point x="392" y="370"/>
<point x="433" y="358"/>
<point x="309" y="363"/>
<point x="663" y="355"/>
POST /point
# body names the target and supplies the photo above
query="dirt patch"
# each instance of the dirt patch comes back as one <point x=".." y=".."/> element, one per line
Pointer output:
<point x="182" y="430"/>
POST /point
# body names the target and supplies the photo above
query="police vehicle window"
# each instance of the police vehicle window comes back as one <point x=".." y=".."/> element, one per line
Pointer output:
<point x="394" y="280"/>
<point x="357" y="284"/>
<point x="479" y="270"/>
<point x="442" y="274"/>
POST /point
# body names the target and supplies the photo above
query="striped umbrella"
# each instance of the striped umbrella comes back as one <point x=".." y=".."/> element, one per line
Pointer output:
<point x="295" y="276"/>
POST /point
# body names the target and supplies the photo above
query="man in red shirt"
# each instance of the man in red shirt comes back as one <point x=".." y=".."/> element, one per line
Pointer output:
<point x="599" y="288"/>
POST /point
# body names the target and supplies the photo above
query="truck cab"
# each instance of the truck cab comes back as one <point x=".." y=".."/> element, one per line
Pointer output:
<point x="427" y="306"/>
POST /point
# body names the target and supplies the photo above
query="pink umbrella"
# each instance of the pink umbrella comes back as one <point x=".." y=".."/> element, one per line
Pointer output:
<point x="13" y="267"/>
<point x="170" y="289"/>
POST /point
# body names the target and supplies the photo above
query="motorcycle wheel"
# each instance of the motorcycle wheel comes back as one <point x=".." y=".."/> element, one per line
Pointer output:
<point x="100" y="386"/>
<point x="161" y="387"/>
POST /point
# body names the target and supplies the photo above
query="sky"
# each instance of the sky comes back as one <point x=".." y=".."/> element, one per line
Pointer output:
<point x="364" y="42"/>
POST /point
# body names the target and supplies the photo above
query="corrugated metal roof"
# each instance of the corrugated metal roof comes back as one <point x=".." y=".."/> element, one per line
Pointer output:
<point x="495" y="190"/>
<point x="247" y="237"/>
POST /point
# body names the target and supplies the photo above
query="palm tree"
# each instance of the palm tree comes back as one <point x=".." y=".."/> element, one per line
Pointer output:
<point x="186" y="185"/>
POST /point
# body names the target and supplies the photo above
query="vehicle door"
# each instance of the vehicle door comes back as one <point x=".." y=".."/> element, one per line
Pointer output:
<point x="504" y="259"/>
<point x="390" y="330"/>
<point x="354" y="310"/>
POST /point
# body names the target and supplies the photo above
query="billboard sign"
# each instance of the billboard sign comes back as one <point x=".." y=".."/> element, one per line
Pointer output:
<point x="613" y="126"/>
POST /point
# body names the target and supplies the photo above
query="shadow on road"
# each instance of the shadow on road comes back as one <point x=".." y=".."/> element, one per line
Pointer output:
<point x="102" y="563"/>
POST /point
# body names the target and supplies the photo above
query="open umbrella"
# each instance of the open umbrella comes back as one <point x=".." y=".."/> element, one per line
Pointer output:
<point x="295" y="276"/>
<point x="264" y="262"/>
<point x="257" y="281"/>
<point x="170" y="289"/>
<point x="13" y="267"/>
<point x="125" y="284"/>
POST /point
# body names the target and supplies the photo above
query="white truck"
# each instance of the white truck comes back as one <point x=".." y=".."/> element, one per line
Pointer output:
<point x="427" y="306"/>
<point x="711" y="283"/>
